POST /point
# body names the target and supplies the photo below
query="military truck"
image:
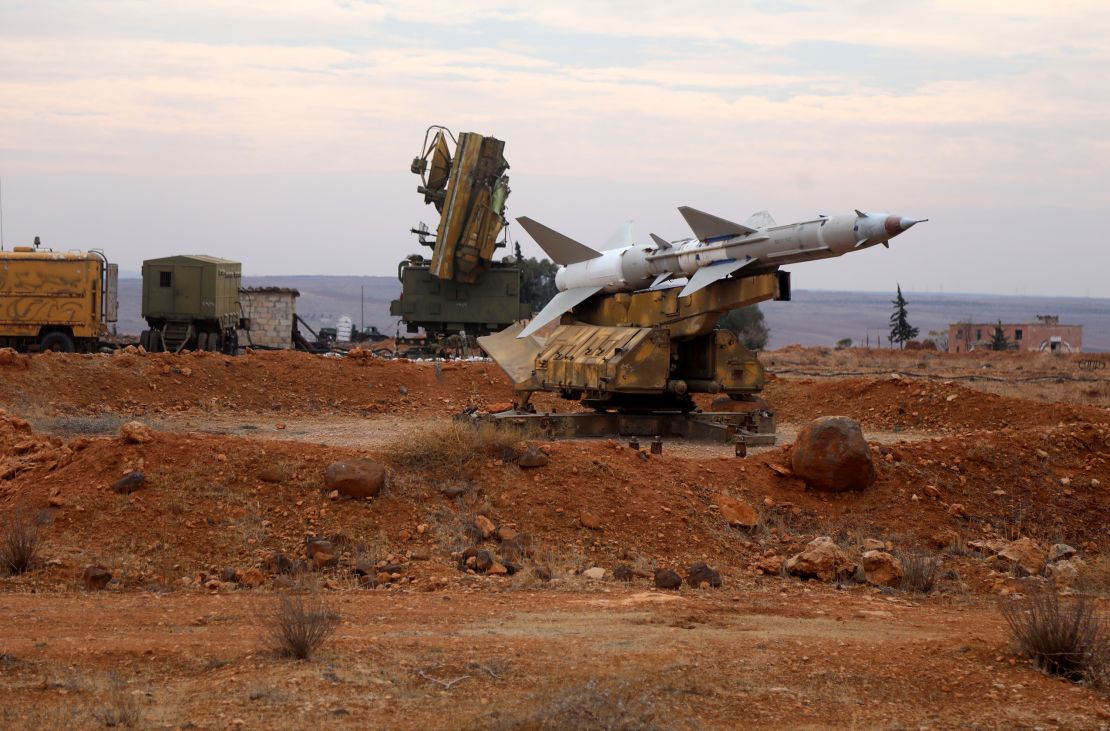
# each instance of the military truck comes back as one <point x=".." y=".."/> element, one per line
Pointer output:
<point x="192" y="303"/>
<point x="62" y="301"/>
<point x="462" y="288"/>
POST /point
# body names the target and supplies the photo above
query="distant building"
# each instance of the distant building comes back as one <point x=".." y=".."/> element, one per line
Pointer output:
<point x="272" y="311"/>
<point x="1044" y="334"/>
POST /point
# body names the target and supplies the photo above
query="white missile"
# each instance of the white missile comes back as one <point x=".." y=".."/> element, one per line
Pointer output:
<point x="719" y="249"/>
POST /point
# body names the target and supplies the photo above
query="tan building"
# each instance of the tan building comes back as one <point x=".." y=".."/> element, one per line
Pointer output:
<point x="1044" y="334"/>
<point x="272" y="311"/>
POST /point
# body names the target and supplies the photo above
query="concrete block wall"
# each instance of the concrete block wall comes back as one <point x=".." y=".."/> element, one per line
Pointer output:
<point x="271" y="315"/>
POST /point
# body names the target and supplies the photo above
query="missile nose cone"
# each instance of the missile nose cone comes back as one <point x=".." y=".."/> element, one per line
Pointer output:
<point x="895" y="225"/>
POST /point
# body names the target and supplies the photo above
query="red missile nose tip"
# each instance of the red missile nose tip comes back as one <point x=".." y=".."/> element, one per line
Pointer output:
<point x="895" y="225"/>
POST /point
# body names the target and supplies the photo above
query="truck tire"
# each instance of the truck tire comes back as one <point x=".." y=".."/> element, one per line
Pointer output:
<point x="156" y="344"/>
<point x="144" y="340"/>
<point x="214" y="342"/>
<point x="58" y="342"/>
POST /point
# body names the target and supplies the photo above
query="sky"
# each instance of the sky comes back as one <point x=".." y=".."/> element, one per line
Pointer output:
<point x="280" y="133"/>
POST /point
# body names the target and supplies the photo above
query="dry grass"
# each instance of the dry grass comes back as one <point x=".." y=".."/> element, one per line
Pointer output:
<point x="19" y="549"/>
<point x="1094" y="577"/>
<point x="920" y="572"/>
<point x="297" y="626"/>
<point x="74" y="426"/>
<point x="589" y="707"/>
<point x="122" y="710"/>
<point x="1067" y="638"/>
<point x="449" y="446"/>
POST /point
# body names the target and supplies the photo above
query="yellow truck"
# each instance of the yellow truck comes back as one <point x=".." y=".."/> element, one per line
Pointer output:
<point x="52" y="300"/>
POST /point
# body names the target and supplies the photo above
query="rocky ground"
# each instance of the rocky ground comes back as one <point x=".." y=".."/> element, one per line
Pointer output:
<point x="492" y="581"/>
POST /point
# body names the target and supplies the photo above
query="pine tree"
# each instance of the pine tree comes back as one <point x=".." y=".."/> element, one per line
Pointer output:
<point x="749" y="326"/>
<point x="998" y="340"/>
<point x="900" y="330"/>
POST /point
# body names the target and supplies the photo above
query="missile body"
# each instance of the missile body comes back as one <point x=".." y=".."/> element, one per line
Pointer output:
<point x="719" y="249"/>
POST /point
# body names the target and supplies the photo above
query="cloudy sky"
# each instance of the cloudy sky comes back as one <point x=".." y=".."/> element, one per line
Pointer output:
<point x="280" y="133"/>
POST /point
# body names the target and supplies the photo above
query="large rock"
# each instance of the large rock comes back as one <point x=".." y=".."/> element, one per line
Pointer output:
<point x="533" y="457"/>
<point x="822" y="559"/>
<point x="831" y="454"/>
<point x="701" y="574"/>
<point x="357" y="478"/>
<point x="136" y="432"/>
<point x="96" y="577"/>
<point x="667" y="579"/>
<point x="737" y="512"/>
<point x="882" y="569"/>
<point x="129" y="483"/>
<point x="1024" y="553"/>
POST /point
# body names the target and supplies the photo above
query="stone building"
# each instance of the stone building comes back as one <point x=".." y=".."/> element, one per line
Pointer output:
<point x="1044" y="333"/>
<point x="272" y="313"/>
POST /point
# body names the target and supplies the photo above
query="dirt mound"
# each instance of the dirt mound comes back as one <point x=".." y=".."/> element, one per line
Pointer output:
<point x="205" y="504"/>
<point x="285" y="381"/>
<point x="907" y="404"/>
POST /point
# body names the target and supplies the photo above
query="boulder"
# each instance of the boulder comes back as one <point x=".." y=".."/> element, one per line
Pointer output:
<point x="136" y="432"/>
<point x="701" y="575"/>
<point x="1065" y="572"/>
<point x="623" y="573"/>
<point x="589" y="520"/>
<point x="278" y="563"/>
<point x="484" y="526"/>
<point x="770" y="565"/>
<point x="129" y="483"/>
<point x="822" y="559"/>
<point x="356" y="478"/>
<point x="667" y="579"/>
<point x="737" y="512"/>
<point x="830" y="454"/>
<point x="96" y="577"/>
<point x="596" y="573"/>
<point x="882" y="569"/>
<point x="252" y="578"/>
<point x="533" y="457"/>
<point x="272" y="473"/>
<point x="1024" y="553"/>
<point x="1060" y="552"/>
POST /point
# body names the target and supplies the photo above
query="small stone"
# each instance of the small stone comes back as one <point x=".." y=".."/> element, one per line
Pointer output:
<point x="252" y="578"/>
<point x="271" y="473"/>
<point x="497" y="569"/>
<point x="667" y="579"/>
<point x="129" y="483"/>
<point x="533" y="457"/>
<point x="770" y="565"/>
<point x="738" y="513"/>
<point x="1060" y="552"/>
<point x="957" y="510"/>
<point x="623" y="573"/>
<point x="505" y="533"/>
<point x="882" y="569"/>
<point x="589" y="520"/>
<point x="873" y="544"/>
<point x="229" y="575"/>
<point x="96" y="577"/>
<point x="596" y="573"/>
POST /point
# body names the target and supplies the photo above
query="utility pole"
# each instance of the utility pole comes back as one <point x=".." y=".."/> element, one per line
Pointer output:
<point x="362" y="305"/>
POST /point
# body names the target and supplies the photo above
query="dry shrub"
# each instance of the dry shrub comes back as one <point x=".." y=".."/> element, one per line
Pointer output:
<point x="589" y="707"/>
<point x="1064" y="637"/>
<point x="452" y="445"/>
<point x="297" y="626"/>
<point x="920" y="572"/>
<point x="122" y="710"/>
<point x="72" y="426"/>
<point x="19" y="551"/>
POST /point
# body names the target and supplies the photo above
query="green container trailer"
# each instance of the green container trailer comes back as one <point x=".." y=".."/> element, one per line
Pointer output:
<point x="192" y="303"/>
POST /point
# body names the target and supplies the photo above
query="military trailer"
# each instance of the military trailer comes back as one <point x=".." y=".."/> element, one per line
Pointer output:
<point x="192" y="303"/>
<point x="444" y="307"/>
<point x="60" y="301"/>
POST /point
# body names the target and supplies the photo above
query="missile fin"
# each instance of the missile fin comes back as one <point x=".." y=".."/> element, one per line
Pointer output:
<point x="860" y="213"/>
<point x="861" y="242"/>
<point x="660" y="242"/>
<point x="660" y="279"/>
<point x="760" y="219"/>
<point x="708" y="274"/>
<point x="706" y="226"/>
<point x="563" y="250"/>
<point x="516" y="356"/>
<point x="559" y="304"/>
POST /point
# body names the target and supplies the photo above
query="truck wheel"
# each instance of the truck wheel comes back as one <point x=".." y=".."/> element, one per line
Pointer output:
<point x="144" y="340"/>
<point x="58" y="342"/>
<point x="214" y="342"/>
<point x="156" y="344"/>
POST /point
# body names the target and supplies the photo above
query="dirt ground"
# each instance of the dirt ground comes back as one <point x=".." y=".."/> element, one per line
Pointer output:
<point x="969" y="449"/>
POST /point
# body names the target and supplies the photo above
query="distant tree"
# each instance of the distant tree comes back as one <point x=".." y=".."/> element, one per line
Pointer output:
<point x="537" y="281"/>
<point x="998" y="340"/>
<point x="901" y="331"/>
<point x="747" y="323"/>
<point x="843" y="343"/>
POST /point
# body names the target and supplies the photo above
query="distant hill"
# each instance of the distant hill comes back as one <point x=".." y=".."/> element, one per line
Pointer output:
<point x="814" y="317"/>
